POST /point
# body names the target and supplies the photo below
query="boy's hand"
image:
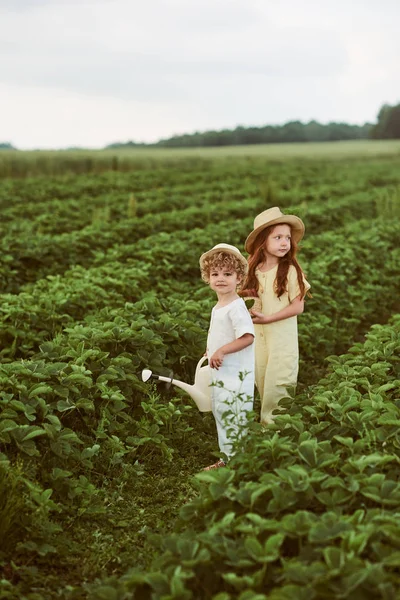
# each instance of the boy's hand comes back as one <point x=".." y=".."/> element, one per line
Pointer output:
<point x="217" y="359"/>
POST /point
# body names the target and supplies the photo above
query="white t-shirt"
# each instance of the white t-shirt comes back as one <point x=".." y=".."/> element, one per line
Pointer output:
<point x="227" y="324"/>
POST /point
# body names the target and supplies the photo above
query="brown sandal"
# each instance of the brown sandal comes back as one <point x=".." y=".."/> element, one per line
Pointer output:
<point x="217" y="465"/>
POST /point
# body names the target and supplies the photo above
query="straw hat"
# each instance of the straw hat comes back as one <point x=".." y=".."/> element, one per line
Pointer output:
<point x="274" y="216"/>
<point x="224" y="248"/>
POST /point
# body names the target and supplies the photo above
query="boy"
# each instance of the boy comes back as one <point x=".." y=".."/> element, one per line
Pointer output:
<point x="230" y="349"/>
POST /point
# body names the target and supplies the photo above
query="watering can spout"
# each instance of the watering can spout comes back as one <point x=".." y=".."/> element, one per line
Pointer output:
<point x="200" y="392"/>
<point x="200" y="395"/>
<point x="184" y="386"/>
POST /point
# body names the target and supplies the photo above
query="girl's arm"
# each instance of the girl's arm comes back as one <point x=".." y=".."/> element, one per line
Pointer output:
<point x="295" y="308"/>
<point x="217" y="358"/>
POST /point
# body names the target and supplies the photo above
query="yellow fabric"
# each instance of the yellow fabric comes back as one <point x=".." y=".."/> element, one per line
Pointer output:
<point x="276" y="344"/>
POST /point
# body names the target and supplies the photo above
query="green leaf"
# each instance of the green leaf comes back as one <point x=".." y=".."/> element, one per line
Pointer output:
<point x="346" y="441"/>
<point x="393" y="560"/>
<point x="307" y="451"/>
<point x="273" y="544"/>
<point x="387" y="386"/>
<point x="28" y="447"/>
<point x="353" y="581"/>
<point x="334" y="557"/>
<point x="39" y="389"/>
<point x="85" y="404"/>
<point x="63" y="405"/>
<point x="254" y="548"/>
<point x="17" y="405"/>
<point x="90" y="452"/>
<point x="54" y="420"/>
<point x="8" y="425"/>
<point x="60" y="474"/>
<point x="33" y="433"/>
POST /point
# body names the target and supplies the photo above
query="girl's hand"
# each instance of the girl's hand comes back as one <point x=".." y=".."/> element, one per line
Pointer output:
<point x="215" y="362"/>
<point x="258" y="318"/>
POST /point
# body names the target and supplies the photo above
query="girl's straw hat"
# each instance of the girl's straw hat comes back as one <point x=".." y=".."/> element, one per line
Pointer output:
<point x="274" y="216"/>
<point x="224" y="248"/>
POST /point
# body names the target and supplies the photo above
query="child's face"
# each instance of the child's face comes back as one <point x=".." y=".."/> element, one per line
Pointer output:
<point x="278" y="242"/>
<point x="223" y="280"/>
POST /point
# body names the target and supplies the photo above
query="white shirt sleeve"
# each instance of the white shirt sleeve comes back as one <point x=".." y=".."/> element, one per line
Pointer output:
<point x="241" y="320"/>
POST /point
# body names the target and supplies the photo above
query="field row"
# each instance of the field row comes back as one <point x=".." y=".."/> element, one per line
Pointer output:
<point x="37" y="199"/>
<point x="355" y="271"/>
<point x="28" y="258"/>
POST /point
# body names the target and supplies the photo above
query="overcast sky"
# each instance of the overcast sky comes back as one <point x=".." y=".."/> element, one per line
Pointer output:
<point x="92" y="72"/>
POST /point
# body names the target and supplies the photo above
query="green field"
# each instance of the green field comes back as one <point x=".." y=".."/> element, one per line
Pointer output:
<point x="29" y="163"/>
<point x="101" y="491"/>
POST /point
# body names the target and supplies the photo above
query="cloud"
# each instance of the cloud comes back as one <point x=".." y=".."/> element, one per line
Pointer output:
<point x="128" y="64"/>
<point x="171" y="66"/>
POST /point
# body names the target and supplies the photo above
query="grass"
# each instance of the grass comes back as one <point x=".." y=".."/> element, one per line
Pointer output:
<point x="15" y="163"/>
<point x="331" y="150"/>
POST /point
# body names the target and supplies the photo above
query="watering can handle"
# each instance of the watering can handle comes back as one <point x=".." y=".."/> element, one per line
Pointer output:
<point x="203" y="359"/>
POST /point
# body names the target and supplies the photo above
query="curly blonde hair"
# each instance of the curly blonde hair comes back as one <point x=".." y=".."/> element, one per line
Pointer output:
<point x="222" y="260"/>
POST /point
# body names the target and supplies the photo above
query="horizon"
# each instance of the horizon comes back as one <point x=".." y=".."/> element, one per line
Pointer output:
<point x="189" y="134"/>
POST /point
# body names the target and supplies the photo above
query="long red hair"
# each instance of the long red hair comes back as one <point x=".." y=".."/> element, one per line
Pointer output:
<point x="258" y="256"/>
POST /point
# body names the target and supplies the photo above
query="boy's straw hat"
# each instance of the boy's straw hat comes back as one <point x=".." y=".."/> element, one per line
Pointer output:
<point x="224" y="248"/>
<point x="274" y="216"/>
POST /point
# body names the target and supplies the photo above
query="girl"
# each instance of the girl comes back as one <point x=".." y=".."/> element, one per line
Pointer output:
<point x="229" y="345"/>
<point x="275" y="276"/>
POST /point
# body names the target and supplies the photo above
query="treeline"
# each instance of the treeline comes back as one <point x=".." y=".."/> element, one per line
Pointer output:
<point x="387" y="127"/>
<point x="294" y="131"/>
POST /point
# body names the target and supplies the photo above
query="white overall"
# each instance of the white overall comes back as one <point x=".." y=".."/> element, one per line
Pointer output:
<point x="236" y="374"/>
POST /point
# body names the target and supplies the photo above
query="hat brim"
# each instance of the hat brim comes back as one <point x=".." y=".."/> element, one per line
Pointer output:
<point x="296" y="224"/>
<point x="226" y="251"/>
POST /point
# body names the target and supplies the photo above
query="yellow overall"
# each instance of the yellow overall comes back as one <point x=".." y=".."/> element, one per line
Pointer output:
<point x="276" y="344"/>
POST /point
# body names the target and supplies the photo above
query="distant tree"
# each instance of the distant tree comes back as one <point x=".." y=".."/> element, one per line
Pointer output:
<point x="293" y="131"/>
<point x="130" y="144"/>
<point x="6" y="146"/>
<point x="315" y="132"/>
<point x="388" y="125"/>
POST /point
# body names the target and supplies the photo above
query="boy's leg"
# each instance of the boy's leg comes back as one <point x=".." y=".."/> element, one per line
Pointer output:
<point x="221" y="407"/>
<point x="231" y="418"/>
<point x="221" y="433"/>
<point x="220" y="463"/>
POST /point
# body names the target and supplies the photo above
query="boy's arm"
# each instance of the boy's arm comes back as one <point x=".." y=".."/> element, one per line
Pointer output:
<point x="217" y="358"/>
<point x="295" y="308"/>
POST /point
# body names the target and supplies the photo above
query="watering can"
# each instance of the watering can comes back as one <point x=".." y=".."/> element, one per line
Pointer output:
<point x="200" y="391"/>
